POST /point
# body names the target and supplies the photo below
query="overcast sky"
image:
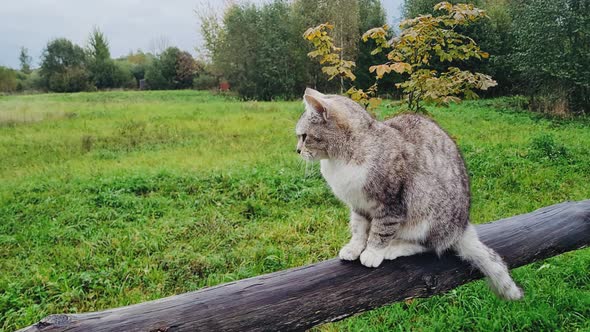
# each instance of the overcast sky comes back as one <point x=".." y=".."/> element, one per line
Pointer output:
<point x="128" y="24"/>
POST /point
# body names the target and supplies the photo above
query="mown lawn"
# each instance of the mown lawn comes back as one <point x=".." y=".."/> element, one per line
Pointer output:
<point x="109" y="199"/>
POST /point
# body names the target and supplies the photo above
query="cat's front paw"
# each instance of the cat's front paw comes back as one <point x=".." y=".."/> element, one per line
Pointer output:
<point x="371" y="257"/>
<point x="350" y="252"/>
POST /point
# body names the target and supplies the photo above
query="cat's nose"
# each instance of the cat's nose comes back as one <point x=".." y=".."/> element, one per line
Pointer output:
<point x="299" y="151"/>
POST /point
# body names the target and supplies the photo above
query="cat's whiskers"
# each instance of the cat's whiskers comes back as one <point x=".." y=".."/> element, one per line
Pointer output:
<point x="303" y="163"/>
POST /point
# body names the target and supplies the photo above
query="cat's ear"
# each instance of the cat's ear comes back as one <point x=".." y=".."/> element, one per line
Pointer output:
<point x="316" y="105"/>
<point x="312" y="92"/>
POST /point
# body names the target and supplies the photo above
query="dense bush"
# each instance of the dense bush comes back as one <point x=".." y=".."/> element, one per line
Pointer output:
<point x="123" y="76"/>
<point x="8" y="81"/>
<point x="162" y="71"/>
<point x="173" y="69"/>
<point x="544" y="146"/>
<point x="70" y="79"/>
<point x="186" y="70"/>
<point x="137" y="63"/>
<point x="66" y="67"/>
<point x="263" y="68"/>
<point x="63" y="67"/>
<point x="30" y="82"/>
<point x="552" y="53"/>
<point x="205" y="82"/>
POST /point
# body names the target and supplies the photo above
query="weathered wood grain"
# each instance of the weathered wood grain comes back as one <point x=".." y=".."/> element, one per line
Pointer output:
<point x="300" y="298"/>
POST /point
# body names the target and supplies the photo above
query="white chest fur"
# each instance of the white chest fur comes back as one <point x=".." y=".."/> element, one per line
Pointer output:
<point x="347" y="182"/>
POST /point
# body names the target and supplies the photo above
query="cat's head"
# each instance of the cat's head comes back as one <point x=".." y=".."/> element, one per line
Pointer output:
<point x="329" y="125"/>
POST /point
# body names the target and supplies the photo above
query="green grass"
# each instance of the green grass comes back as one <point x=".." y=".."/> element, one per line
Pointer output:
<point x="109" y="199"/>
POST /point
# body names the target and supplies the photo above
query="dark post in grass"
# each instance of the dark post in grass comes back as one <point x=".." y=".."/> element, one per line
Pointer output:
<point x="303" y="297"/>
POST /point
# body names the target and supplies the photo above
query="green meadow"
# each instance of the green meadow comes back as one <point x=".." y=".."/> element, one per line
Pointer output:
<point x="114" y="198"/>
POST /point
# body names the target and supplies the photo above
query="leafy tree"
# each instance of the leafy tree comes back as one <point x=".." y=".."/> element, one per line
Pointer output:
<point x="29" y="82"/>
<point x="346" y="36"/>
<point x="161" y="74"/>
<point x="187" y="69"/>
<point x="272" y="59"/>
<point x="123" y="75"/>
<point x="63" y="67"/>
<point x="333" y="65"/>
<point x="259" y="51"/>
<point x="25" y="60"/>
<point x="138" y="63"/>
<point x="168" y="63"/>
<point x="155" y="79"/>
<point x="310" y="13"/>
<point x="101" y="67"/>
<point x="211" y="29"/>
<point x="284" y="65"/>
<point x="552" y="53"/>
<point x="205" y="81"/>
<point x="61" y="53"/>
<point x="414" y="8"/>
<point x="8" y="80"/>
<point x="371" y="14"/>
<point x="71" y="79"/>
<point x="172" y="69"/>
<point x="98" y="46"/>
<point x="241" y="33"/>
<point x="329" y="55"/>
<point x="344" y="14"/>
<point x="495" y="35"/>
<point x="424" y="40"/>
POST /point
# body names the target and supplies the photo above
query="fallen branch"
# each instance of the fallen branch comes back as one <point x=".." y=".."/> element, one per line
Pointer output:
<point x="303" y="297"/>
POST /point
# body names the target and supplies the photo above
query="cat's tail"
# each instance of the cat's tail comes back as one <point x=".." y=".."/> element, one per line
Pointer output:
<point x="472" y="250"/>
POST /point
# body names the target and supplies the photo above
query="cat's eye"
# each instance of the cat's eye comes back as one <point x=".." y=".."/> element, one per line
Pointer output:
<point x="303" y="137"/>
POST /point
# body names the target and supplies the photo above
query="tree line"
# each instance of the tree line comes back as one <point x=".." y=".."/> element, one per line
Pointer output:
<point x="67" y="67"/>
<point x="261" y="52"/>
<point x="537" y="48"/>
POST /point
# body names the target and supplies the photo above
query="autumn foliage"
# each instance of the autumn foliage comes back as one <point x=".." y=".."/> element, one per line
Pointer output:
<point x="328" y="54"/>
<point x="334" y="65"/>
<point x="424" y="45"/>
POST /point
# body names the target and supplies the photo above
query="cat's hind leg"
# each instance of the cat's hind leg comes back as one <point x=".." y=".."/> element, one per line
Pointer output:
<point x="400" y="248"/>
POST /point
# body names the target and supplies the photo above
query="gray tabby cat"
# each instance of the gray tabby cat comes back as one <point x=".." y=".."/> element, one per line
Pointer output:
<point x="405" y="183"/>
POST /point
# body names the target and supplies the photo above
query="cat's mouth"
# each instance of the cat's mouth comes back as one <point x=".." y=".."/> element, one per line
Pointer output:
<point x="307" y="155"/>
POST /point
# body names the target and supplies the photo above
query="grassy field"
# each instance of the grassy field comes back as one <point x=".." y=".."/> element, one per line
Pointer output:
<point x="109" y="199"/>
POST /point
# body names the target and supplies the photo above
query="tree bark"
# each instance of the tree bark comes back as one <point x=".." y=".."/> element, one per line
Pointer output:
<point x="303" y="297"/>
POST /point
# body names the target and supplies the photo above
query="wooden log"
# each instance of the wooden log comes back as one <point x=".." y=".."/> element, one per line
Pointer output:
<point x="303" y="297"/>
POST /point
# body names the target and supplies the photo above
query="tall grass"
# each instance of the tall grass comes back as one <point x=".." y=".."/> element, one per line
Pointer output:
<point x="147" y="194"/>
